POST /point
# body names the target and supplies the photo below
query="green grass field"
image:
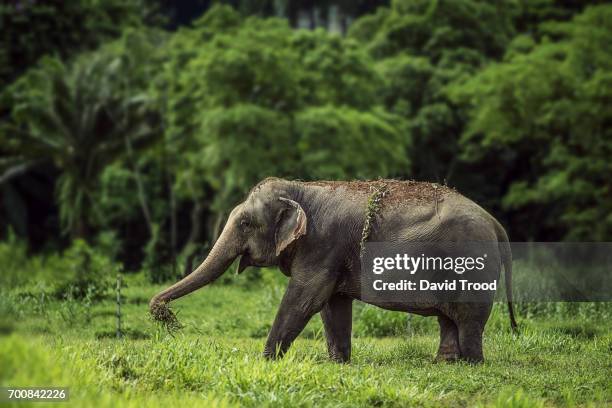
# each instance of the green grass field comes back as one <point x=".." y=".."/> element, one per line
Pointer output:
<point x="564" y="359"/>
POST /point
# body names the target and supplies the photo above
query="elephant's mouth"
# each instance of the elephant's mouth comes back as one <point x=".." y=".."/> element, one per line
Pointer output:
<point x="243" y="263"/>
<point x="246" y="260"/>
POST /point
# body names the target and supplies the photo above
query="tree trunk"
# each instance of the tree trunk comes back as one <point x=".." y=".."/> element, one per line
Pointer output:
<point x="190" y="250"/>
<point x="80" y="229"/>
<point x="173" y="223"/>
<point x="142" y="198"/>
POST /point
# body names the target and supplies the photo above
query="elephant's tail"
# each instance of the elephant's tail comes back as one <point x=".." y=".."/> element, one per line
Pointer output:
<point x="506" y="258"/>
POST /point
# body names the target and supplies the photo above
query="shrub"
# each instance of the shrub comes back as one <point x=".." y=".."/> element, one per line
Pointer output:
<point x="155" y="264"/>
<point x="13" y="257"/>
<point x="84" y="272"/>
<point x="376" y="322"/>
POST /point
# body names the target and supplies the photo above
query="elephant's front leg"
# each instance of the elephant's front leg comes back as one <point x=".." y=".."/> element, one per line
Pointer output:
<point x="301" y="301"/>
<point x="337" y="316"/>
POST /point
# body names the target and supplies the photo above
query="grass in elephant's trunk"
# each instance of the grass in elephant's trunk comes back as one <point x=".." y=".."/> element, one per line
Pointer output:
<point x="162" y="314"/>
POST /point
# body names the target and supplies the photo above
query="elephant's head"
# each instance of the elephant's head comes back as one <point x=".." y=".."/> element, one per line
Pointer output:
<point x="258" y="230"/>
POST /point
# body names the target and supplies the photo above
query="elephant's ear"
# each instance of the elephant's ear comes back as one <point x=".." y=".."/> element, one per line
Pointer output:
<point x="291" y="224"/>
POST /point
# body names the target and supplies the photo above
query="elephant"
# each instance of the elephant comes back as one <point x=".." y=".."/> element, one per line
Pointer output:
<point x="312" y="231"/>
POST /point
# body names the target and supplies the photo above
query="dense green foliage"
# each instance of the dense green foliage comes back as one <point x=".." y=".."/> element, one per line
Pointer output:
<point x="81" y="117"/>
<point x="154" y="136"/>
<point x="422" y="48"/>
<point x="33" y="29"/>
<point x="544" y="113"/>
<point x="260" y="99"/>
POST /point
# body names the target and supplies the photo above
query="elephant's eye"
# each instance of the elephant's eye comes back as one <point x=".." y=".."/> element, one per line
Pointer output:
<point x="244" y="223"/>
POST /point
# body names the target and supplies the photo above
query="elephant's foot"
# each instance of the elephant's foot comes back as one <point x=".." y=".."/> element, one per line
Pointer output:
<point x="269" y="356"/>
<point x="276" y="353"/>
<point x="338" y="356"/>
<point x="473" y="359"/>
<point x="470" y="342"/>
<point x="449" y="341"/>
<point x="447" y="357"/>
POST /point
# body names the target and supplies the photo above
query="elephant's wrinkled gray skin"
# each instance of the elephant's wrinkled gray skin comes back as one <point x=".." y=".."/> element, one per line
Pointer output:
<point x="312" y="232"/>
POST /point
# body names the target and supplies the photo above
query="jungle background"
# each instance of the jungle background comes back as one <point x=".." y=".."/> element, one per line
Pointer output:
<point x="129" y="129"/>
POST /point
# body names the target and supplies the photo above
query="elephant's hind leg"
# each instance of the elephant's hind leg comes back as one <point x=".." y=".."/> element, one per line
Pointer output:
<point x="449" y="340"/>
<point x="470" y="341"/>
<point x="337" y="318"/>
<point x="471" y="320"/>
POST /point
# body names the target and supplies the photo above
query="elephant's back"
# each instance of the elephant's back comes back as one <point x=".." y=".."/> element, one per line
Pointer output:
<point x="433" y="213"/>
<point x="394" y="192"/>
<point x="407" y="210"/>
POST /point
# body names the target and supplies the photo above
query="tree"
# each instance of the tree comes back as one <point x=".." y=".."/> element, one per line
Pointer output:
<point x="81" y="116"/>
<point x="259" y="99"/>
<point x="530" y="15"/>
<point x="422" y="48"/>
<point x="545" y="115"/>
<point x="32" y="29"/>
<point x="339" y="142"/>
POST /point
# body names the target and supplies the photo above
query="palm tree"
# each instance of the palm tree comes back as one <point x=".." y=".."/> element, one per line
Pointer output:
<point x="80" y="117"/>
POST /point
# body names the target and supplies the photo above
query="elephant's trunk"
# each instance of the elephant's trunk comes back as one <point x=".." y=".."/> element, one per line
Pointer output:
<point x="218" y="260"/>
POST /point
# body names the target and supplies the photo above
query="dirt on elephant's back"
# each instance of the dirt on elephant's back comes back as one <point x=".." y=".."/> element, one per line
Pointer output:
<point x="397" y="191"/>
